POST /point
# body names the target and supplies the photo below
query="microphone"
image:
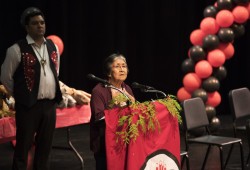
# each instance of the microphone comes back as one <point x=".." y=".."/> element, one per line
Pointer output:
<point x="97" y="79"/>
<point x="141" y="86"/>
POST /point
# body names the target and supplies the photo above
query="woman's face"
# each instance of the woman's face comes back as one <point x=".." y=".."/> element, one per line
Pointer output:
<point x="119" y="70"/>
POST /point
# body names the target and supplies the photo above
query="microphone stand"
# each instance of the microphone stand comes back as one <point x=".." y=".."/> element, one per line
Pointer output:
<point x="154" y="91"/>
<point x="113" y="87"/>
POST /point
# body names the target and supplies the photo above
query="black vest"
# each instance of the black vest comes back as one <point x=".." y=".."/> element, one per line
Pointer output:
<point x="27" y="75"/>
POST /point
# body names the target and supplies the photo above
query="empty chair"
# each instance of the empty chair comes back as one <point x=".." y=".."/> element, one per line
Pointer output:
<point x="184" y="158"/>
<point x="195" y="116"/>
<point x="239" y="101"/>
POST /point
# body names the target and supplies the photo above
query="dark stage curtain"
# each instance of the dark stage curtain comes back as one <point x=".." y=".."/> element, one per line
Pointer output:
<point x="152" y="34"/>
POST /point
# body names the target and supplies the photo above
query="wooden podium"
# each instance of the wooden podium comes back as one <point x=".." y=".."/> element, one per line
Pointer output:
<point x="158" y="149"/>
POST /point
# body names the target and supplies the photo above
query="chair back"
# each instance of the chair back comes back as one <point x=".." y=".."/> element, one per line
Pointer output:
<point x="239" y="101"/>
<point x="194" y="112"/>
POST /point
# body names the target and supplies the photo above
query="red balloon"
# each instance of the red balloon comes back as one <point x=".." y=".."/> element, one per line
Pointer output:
<point x="240" y="14"/>
<point x="203" y="69"/>
<point x="57" y="40"/>
<point x="209" y="26"/>
<point x="216" y="58"/>
<point x="196" y="37"/>
<point x="191" y="82"/>
<point x="228" y="49"/>
<point x="183" y="94"/>
<point x="224" y="18"/>
<point x="248" y="9"/>
<point x="213" y="99"/>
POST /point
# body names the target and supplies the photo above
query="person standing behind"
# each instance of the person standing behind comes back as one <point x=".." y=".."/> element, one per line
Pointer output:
<point x="30" y="74"/>
<point x="115" y="71"/>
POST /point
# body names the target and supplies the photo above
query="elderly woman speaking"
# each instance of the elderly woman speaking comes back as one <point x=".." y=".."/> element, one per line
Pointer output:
<point x="115" y="70"/>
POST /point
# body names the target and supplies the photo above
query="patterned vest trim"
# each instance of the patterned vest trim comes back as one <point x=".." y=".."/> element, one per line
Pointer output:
<point x="27" y="75"/>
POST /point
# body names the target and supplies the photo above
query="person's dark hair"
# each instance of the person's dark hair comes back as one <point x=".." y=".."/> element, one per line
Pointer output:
<point x="28" y="13"/>
<point x="108" y="63"/>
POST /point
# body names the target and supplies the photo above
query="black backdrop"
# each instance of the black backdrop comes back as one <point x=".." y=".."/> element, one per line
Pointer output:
<point x="152" y="34"/>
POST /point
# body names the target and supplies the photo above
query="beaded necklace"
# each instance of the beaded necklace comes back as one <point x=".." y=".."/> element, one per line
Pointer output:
<point x="43" y="60"/>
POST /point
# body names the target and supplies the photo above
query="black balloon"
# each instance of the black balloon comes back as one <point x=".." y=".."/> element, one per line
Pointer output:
<point x="188" y="65"/>
<point x="211" y="112"/>
<point x="200" y="93"/>
<point x="197" y="53"/>
<point x="224" y="4"/>
<point x="214" y="124"/>
<point x="238" y="30"/>
<point x="241" y="2"/>
<point x="220" y="72"/>
<point x="210" y="11"/>
<point x="211" y="84"/>
<point x="210" y="42"/>
<point x="226" y="35"/>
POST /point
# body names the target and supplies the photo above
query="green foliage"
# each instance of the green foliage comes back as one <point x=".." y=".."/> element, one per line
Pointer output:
<point x="141" y="117"/>
<point x="120" y="101"/>
<point x="173" y="106"/>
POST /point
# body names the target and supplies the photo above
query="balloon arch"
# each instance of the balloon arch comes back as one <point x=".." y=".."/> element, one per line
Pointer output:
<point x="212" y="43"/>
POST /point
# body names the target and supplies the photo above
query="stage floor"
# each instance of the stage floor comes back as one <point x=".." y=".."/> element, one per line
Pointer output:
<point x="67" y="160"/>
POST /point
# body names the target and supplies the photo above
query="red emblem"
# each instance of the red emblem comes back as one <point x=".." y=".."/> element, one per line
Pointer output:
<point x="54" y="58"/>
<point x="28" y="62"/>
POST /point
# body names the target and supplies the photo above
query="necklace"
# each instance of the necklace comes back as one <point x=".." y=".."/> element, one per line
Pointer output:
<point x="43" y="60"/>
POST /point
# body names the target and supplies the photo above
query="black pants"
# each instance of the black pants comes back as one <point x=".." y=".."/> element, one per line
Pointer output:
<point x="100" y="161"/>
<point x="100" y="155"/>
<point x="35" y="125"/>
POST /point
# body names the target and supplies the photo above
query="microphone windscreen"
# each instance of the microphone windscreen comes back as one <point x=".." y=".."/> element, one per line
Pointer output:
<point x="90" y="76"/>
<point x="135" y="85"/>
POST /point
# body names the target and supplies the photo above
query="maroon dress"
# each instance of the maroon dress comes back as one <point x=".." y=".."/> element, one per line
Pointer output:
<point x="100" y="98"/>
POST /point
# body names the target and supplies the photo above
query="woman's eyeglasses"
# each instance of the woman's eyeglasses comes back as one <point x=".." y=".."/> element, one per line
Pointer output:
<point x="120" y="67"/>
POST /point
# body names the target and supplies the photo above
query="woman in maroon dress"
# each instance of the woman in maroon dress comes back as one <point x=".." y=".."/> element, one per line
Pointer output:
<point x="116" y="71"/>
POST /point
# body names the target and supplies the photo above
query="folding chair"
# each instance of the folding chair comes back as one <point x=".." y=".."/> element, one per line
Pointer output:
<point x="195" y="116"/>
<point x="184" y="157"/>
<point x="239" y="101"/>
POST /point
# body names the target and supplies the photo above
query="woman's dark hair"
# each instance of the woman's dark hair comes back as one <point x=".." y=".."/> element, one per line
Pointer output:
<point x="109" y="61"/>
<point x="28" y="13"/>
